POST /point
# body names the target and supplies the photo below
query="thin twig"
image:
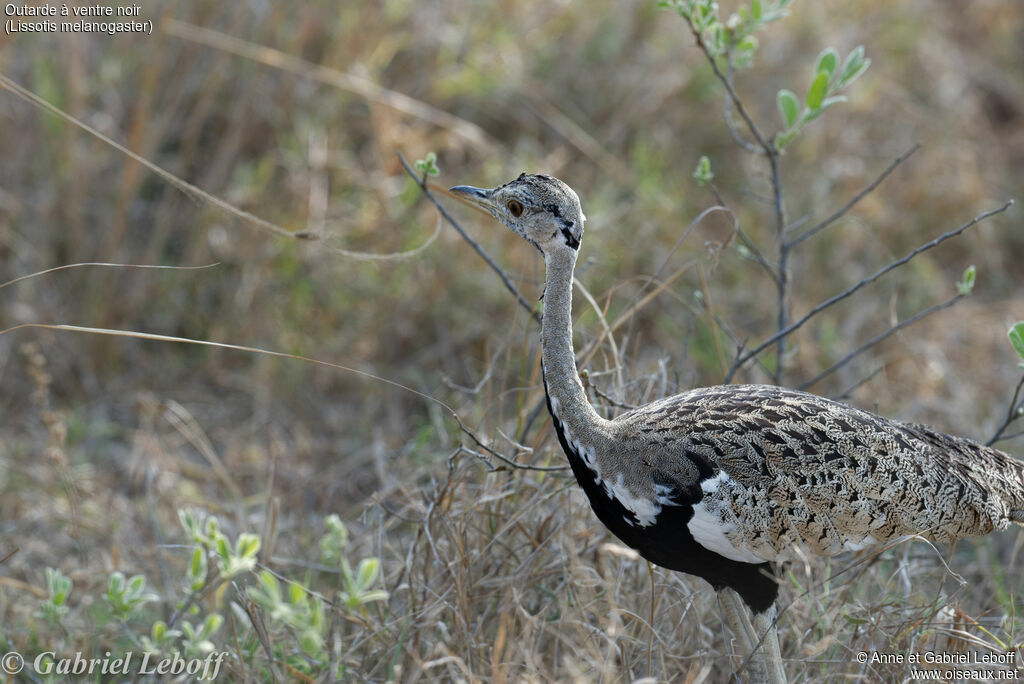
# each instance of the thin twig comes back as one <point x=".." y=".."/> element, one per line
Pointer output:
<point x="738" y="342"/>
<point x="532" y="310"/>
<point x="754" y="131"/>
<point x="531" y="417"/>
<point x="339" y="79"/>
<point x="503" y="458"/>
<point x="866" y="281"/>
<point x="730" y="123"/>
<point x="614" y="402"/>
<point x="756" y="255"/>
<point x="768" y="149"/>
<point x="747" y="242"/>
<point x="855" y="386"/>
<point x="880" y="337"/>
<point x="1011" y="415"/>
<point x="1012" y="435"/>
<point x="811" y="232"/>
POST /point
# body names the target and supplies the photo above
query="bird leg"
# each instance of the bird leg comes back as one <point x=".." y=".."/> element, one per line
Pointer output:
<point x="757" y="640"/>
<point x="766" y="633"/>
<point x="735" y="613"/>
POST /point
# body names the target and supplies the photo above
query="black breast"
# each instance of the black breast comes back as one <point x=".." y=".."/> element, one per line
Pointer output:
<point x="668" y="541"/>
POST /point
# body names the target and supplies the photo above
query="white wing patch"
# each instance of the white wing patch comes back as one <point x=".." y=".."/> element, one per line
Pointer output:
<point x="645" y="510"/>
<point x="710" y="529"/>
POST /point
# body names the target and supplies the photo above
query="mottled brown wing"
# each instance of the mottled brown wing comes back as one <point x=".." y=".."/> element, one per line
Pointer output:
<point x="806" y="470"/>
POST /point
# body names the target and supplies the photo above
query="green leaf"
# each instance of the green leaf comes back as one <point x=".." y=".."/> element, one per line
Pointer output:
<point x="1016" y="335"/>
<point x="270" y="586"/>
<point x="212" y="624"/>
<point x="375" y="595"/>
<point x="223" y="550"/>
<point x="247" y="545"/>
<point x="367" y="572"/>
<point x="703" y="174"/>
<point x="428" y="165"/>
<point x="966" y="283"/>
<point x="748" y="44"/>
<point x="159" y="630"/>
<point x="789" y="107"/>
<point x="136" y="585"/>
<point x="755" y="10"/>
<point x="853" y="66"/>
<point x="296" y="593"/>
<point x="825" y="104"/>
<point x="311" y="642"/>
<point x="816" y="93"/>
<point x="197" y="568"/>
<point x="827" y="62"/>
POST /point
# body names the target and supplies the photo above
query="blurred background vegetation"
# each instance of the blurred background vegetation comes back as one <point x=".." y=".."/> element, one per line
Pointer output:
<point x="104" y="439"/>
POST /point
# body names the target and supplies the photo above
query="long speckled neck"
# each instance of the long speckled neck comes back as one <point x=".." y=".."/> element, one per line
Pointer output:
<point x="564" y="387"/>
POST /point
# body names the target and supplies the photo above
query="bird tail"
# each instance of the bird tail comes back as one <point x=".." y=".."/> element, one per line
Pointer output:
<point x="999" y="476"/>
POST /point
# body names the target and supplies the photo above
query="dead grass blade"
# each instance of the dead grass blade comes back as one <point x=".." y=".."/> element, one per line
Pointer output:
<point x="197" y="192"/>
<point x="108" y="265"/>
<point x="234" y="347"/>
<point x="339" y="79"/>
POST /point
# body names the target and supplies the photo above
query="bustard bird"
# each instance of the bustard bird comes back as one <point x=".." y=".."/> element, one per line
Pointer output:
<point x="722" y="482"/>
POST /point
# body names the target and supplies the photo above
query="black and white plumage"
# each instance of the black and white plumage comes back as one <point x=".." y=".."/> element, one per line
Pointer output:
<point x="722" y="482"/>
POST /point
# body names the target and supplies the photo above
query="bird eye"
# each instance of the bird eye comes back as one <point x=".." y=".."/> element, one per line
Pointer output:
<point x="515" y="207"/>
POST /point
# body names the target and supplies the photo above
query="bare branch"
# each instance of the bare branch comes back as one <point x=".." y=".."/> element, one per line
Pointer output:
<point x="855" y="386"/>
<point x="866" y="281"/>
<point x="768" y="149"/>
<point x="501" y="457"/>
<point x="811" y="232"/>
<point x="880" y="337"/>
<point x="730" y="123"/>
<point x="754" y="131"/>
<point x="532" y="310"/>
<point x="1011" y="415"/>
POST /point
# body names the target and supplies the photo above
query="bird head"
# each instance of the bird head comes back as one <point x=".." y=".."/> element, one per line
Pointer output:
<point x="541" y="209"/>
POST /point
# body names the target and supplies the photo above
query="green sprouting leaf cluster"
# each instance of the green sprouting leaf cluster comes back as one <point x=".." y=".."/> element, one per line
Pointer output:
<point x="356" y="585"/>
<point x="303" y="611"/>
<point x="58" y="588"/>
<point x="232" y="560"/>
<point x="966" y="283"/>
<point x="299" y="610"/>
<point x="302" y="620"/>
<point x="428" y="165"/>
<point x="198" y="639"/>
<point x="161" y="639"/>
<point x="823" y="92"/>
<point x="703" y="173"/>
<point x="1016" y="335"/>
<point x="125" y="595"/>
<point x="733" y="38"/>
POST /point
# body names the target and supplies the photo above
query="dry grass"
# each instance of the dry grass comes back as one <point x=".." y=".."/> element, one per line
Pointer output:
<point x="494" y="574"/>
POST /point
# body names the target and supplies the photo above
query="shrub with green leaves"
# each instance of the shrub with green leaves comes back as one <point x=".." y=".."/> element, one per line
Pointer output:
<point x="231" y="560"/>
<point x="733" y="38"/>
<point x="220" y="577"/>
<point x="1016" y="335"/>
<point x="124" y="596"/>
<point x="823" y="92"/>
<point x="58" y="587"/>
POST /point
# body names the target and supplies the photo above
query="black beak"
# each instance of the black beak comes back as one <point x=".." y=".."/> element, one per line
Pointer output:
<point x="468" y="191"/>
